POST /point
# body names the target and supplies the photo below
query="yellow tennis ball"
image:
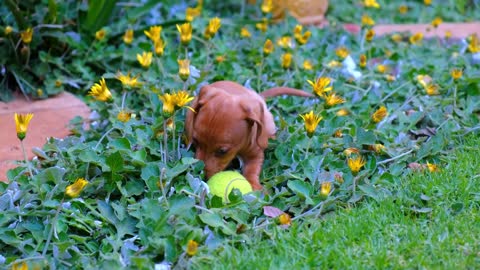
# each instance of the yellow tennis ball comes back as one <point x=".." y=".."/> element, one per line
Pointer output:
<point x="222" y="183"/>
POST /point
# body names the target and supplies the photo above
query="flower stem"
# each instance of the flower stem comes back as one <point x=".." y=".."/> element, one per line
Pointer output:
<point x="103" y="137"/>
<point x="308" y="147"/>
<point x="165" y="142"/>
<point x="260" y="70"/>
<point x="54" y="221"/>
<point x="455" y="97"/>
<point x="124" y="96"/>
<point x="26" y="159"/>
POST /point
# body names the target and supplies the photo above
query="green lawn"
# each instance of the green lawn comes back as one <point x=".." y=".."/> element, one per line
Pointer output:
<point x="431" y="222"/>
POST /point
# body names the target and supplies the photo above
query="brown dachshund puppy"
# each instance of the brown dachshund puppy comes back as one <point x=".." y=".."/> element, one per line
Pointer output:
<point x="231" y="120"/>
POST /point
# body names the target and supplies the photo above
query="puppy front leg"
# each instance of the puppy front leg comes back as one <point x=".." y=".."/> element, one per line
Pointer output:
<point x="252" y="168"/>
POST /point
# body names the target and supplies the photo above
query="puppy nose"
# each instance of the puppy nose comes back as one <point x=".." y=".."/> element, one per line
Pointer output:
<point x="209" y="172"/>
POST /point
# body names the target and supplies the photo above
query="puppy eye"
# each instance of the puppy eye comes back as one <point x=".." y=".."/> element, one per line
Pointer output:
<point x="221" y="152"/>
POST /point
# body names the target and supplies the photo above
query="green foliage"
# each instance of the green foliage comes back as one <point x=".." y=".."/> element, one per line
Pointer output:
<point x="146" y="198"/>
<point x="429" y="221"/>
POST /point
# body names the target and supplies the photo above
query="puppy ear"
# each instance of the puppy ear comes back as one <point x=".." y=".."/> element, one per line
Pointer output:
<point x="263" y="126"/>
<point x="206" y="93"/>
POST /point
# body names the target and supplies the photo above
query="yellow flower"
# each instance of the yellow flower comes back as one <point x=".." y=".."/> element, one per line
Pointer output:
<point x="76" y="188"/>
<point x="448" y="34"/>
<point x="192" y="247"/>
<point x="262" y="26"/>
<point x="268" y="47"/>
<point x="183" y="68"/>
<point x="21" y="124"/>
<point x="473" y="44"/>
<point x="416" y="38"/>
<point x="363" y="61"/>
<point x="297" y="31"/>
<point x="245" y="33"/>
<point x="285" y="219"/>
<point x="342" y="52"/>
<point x="378" y="148"/>
<point x="432" y="167"/>
<point x="300" y="37"/>
<point x="100" y="91"/>
<point x="311" y="122"/>
<point x="23" y="266"/>
<point x="153" y="33"/>
<point x="285" y="42"/>
<point x="307" y="65"/>
<point x="8" y="30"/>
<point x="390" y="77"/>
<point x="185" y="31"/>
<point x="220" y="58"/>
<point x="379" y="114"/>
<point x="286" y="60"/>
<point x="58" y="83"/>
<point x="351" y="150"/>
<point x="124" y="116"/>
<point x="39" y="92"/>
<point x="367" y="20"/>
<point x="355" y="164"/>
<point x="403" y="9"/>
<point x="456" y="73"/>
<point x="397" y="37"/>
<point x="338" y="177"/>
<point x="212" y="28"/>
<point x="334" y="64"/>
<point x="427" y="2"/>
<point x="432" y="89"/>
<point x="145" y="59"/>
<point x="333" y="99"/>
<point x="321" y="86"/>
<point x="191" y="13"/>
<point x="342" y="112"/>
<point x="371" y="3"/>
<point x="100" y="34"/>
<point x="27" y="35"/>
<point x="326" y="188"/>
<point x="168" y="101"/>
<point x="159" y="46"/>
<point x="369" y="35"/>
<point x="128" y="36"/>
<point x="127" y="80"/>
<point x="267" y="6"/>
<point x="382" y="68"/>
<point x="181" y="98"/>
<point x="338" y="133"/>
<point x="424" y="80"/>
<point x="436" y="22"/>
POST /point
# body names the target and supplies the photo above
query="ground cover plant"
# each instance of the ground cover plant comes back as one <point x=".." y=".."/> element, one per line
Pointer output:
<point x="126" y="192"/>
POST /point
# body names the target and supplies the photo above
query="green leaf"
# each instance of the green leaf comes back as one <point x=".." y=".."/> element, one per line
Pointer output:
<point x="134" y="187"/>
<point x="370" y="191"/>
<point x="215" y="220"/>
<point x="120" y="144"/>
<point x="302" y="189"/>
<point x="50" y="175"/>
<point x="365" y="137"/>
<point x="180" y="205"/>
<point x="115" y="162"/>
<point x="98" y="14"/>
<point x="139" y="157"/>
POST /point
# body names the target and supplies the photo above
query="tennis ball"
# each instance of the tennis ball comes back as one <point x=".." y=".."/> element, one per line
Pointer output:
<point x="222" y="183"/>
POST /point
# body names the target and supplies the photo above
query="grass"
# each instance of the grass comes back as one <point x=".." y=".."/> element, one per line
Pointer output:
<point x="430" y="222"/>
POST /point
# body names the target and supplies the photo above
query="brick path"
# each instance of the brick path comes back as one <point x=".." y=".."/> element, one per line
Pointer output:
<point x="51" y="117"/>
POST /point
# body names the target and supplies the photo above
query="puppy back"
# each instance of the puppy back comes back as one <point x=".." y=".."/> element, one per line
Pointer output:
<point x="279" y="91"/>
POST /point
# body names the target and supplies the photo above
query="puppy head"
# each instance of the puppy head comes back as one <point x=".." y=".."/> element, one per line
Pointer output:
<point x="225" y="125"/>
